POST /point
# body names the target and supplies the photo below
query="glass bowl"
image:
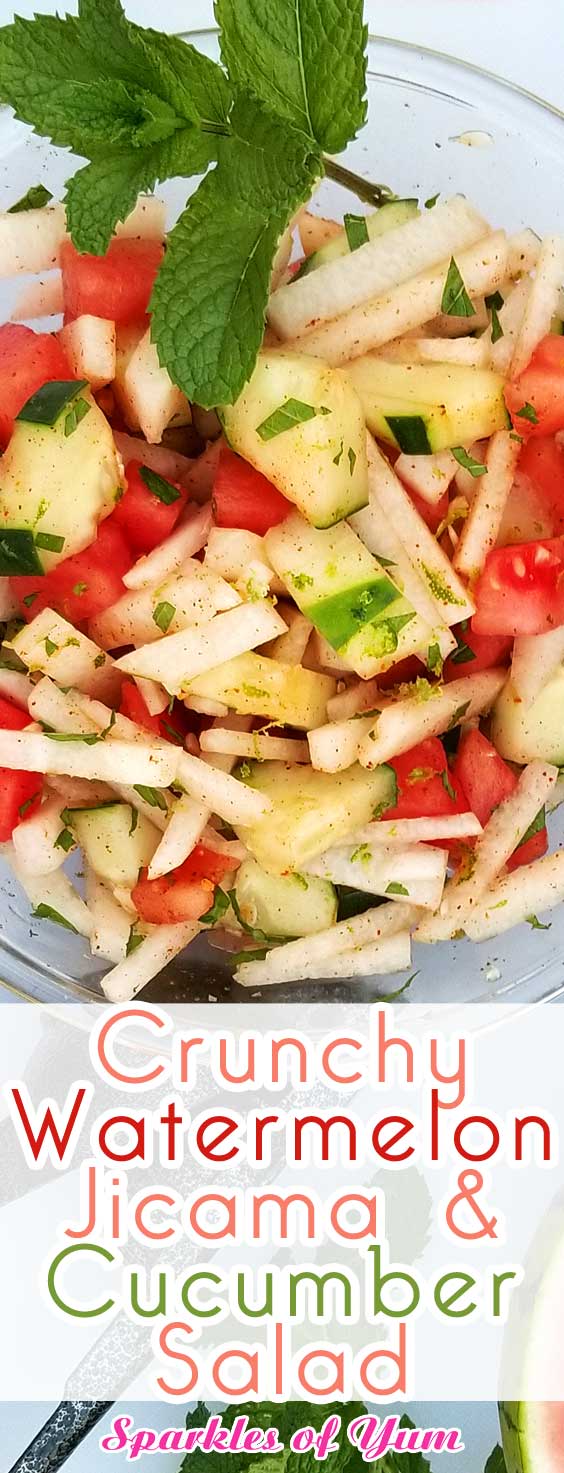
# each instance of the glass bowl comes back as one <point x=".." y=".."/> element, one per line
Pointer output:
<point x="422" y="105"/>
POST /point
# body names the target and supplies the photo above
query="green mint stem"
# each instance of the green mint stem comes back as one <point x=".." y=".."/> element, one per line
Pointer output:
<point x="371" y="194"/>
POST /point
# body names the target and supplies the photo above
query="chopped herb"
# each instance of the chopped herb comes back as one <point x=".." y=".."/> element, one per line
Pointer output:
<point x="163" y="615"/>
<point x="35" y="199"/>
<point x="23" y="808"/>
<point x="528" y="412"/>
<point x="79" y="589"/>
<point x="458" y="715"/>
<point x="537" y="925"/>
<point x="430" y="203"/>
<point x="514" y="436"/>
<point x="300" y="881"/>
<point x="356" y="230"/>
<point x="151" y="796"/>
<point x="46" y="913"/>
<point x="362" y="855"/>
<point x="475" y="467"/>
<point x="385" y="562"/>
<point x="422" y="689"/>
<point x="18" y="555"/>
<point x="352" y="460"/>
<point x="535" y="827"/>
<point x="338" y="457"/>
<point x="50" y="647"/>
<point x="90" y="738"/>
<point x="389" y="997"/>
<point x="218" y="908"/>
<point x="49" y="541"/>
<point x="394" y="888"/>
<point x="64" y="840"/>
<point x="133" y="941"/>
<point x="134" y="821"/>
<point x="174" y="735"/>
<point x="447" y="785"/>
<point x="434" y="659"/>
<point x="463" y="654"/>
<point x="494" y="303"/>
<point x="75" y="415"/>
<point x="301" y="581"/>
<point x="29" y="599"/>
<point x="254" y="692"/>
<point x="159" y="487"/>
<point x="46" y="405"/>
<point x="455" y="300"/>
<point x="252" y="955"/>
<point x="293" y="412"/>
<point x="245" y="771"/>
<point x="99" y="661"/>
<point x="457" y="512"/>
<point x="420" y="775"/>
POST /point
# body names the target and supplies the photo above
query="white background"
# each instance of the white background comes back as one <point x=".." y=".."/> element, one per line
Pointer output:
<point x="522" y="41"/>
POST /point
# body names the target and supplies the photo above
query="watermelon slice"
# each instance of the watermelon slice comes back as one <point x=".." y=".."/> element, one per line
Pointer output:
<point x="533" y="1436"/>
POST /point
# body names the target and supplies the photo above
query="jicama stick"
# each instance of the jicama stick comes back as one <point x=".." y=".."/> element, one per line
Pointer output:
<point x="31" y="240"/>
<point x="524" y="250"/>
<point x="364" y="696"/>
<point x="409" y="720"/>
<point x="205" y="705"/>
<point x="255" y="745"/>
<point x="542" y="302"/>
<point x="158" y="948"/>
<point x="480" y="530"/>
<point x="414" y="872"/>
<point x="290" y="648"/>
<point x="89" y="344"/>
<point x="15" y="686"/>
<point x="315" y="231"/>
<point x="404" y="307"/>
<point x="420" y="830"/>
<point x="149" y="396"/>
<point x="35" y="840"/>
<point x="470" y="352"/>
<point x="180" y="658"/>
<point x="344" y="284"/>
<point x="444" y="326"/>
<point x="40" y="298"/>
<point x="110" y="761"/>
<point x="154" y="695"/>
<point x="428" y="475"/>
<point x="55" y="647"/>
<point x="184" y="829"/>
<point x="111" y="924"/>
<point x="510" y="320"/>
<point x="502" y="835"/>
<point x="192" y="596"/>
<point x="393" y="954"/>
<point x="241" y="558"/>
<point x="55" y="893"/>
<point x="296" y="958"/>
<point x="187" y="539"/>
<point x="535" y="658"/>
<point x="334" y="747"/>
<point x="450" y="597"/>
<point x="529" y="891"/>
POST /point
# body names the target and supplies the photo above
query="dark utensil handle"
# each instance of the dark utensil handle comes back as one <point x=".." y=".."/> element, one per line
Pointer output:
<point x="63" y="1431"/>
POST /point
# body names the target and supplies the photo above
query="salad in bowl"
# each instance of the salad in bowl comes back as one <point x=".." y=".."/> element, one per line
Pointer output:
<point x="281" y="526"/>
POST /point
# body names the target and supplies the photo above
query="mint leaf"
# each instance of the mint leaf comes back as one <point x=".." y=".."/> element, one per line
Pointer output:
<point x="304" y="59"/>
<point x="106" y="190"/>
<point x="496" y="1462"/>
<point x="34" y="199"/>
<point x="210" y="296"/>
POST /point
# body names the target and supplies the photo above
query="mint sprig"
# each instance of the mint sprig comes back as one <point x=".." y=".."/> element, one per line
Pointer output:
<point x="143" y="107"/>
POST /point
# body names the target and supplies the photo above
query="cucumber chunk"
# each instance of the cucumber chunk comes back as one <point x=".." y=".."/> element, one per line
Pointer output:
<point x="57" y="481"/>
<point x="116" y="839"/>
<point x="395" y="213"/>
<point x="284" y="905"/>
<point x="311" y="810"/>
<point x="425" y="407"/>
<point x="255" y="685"/>
<point x="318" y="462"/>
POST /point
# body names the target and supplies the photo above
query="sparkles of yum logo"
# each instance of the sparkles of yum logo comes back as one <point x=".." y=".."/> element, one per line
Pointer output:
<point x="242" y="1217"/>
<point x="371" y="1436"/>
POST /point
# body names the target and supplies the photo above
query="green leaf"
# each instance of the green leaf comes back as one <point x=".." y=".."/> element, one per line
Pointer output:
<point x="394" y="888"/>
<point x="528" y="412"/>
<point x="34" y="199"/>
<point x="535" y="827"/>
<point x="431" y="202"/>
<point x="218" y="908"/>
<point x="133" y="941"/>
<point x="163" y="615"/>
<point x="164" y="490"/>
<point x="468" y="462"/>
<point x="253" y="931"/>
<point x="106" y="190"/>
<point x="18" y="553"/>
<point x="290" y="414"/>
<point x="304" y="59"/>
<point x="64" y="840"/>
<point x="46" y="913"/>
<point x="496" y="1462"/>
<point x="49" y="541"/>
<point x="434" y="659"/>
<point x="151" y="796"/>
<point x="209" y="300"/>
<point x="356" y="230"/>
<point x="537" y="925"/>
<point x="46" y="405"/>
<point x="455" y="300"/>
<point x="494" y="303"/>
